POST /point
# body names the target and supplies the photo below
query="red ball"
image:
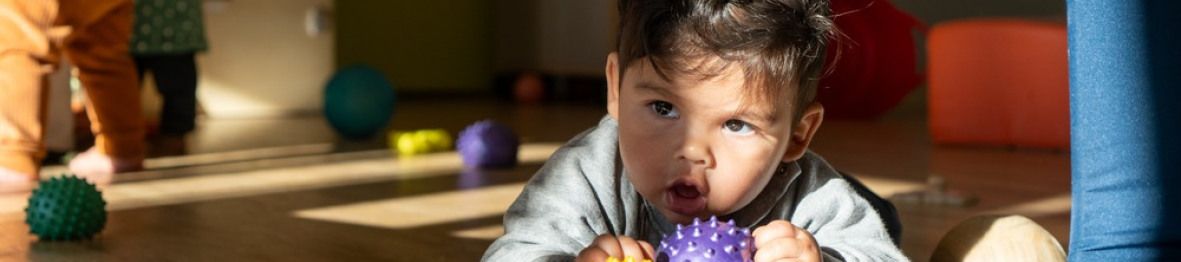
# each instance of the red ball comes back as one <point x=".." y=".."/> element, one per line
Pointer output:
<point x="529" y="88"/>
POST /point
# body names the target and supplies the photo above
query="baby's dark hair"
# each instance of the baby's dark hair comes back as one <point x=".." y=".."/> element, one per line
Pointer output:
<point x="778" y="42"/>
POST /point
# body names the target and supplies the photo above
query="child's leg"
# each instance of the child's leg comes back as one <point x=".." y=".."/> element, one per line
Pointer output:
<point x="98" y="46"/>
<point x="176" y="80"/>
<point x="141" y="68"/>
<point x="24" y="52"/>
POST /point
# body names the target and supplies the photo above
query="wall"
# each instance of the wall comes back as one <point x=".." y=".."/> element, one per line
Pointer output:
<point x="575" y="36"/>
<point x="422" y="46"/>
<point x="450" y="46"/>
<point x="516" y="34"/>
<point x="942" y="10"/>
<point x="568" y="37"/>
<point x="261" y="62"/>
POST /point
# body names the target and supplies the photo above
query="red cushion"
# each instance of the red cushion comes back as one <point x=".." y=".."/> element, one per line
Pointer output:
<point x="876" y="67"/>
<point x="999" y="82"/>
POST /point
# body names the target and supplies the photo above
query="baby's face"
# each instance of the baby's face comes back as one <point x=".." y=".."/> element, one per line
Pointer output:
<point x="695" y="147"/>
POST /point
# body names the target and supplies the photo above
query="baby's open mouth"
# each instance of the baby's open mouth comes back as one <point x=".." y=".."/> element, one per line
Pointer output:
<point x="686" y="191"/>
<point x="685" y="198"/>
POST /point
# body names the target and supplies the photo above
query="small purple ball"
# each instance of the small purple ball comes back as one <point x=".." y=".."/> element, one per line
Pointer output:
<point x="710" y="240"/>
<point x="488" y="144"/>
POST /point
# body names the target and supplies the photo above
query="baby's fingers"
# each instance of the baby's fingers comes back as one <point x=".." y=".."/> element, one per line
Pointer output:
<point x="774" y="230"/>
<point x="638" y="250"/>
<point x="783" y="248"/>
<point x="593" y="254"/>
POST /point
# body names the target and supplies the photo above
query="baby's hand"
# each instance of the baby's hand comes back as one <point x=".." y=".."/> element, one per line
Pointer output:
<point x="618" y="248"/>
<point x="782" y="240"/>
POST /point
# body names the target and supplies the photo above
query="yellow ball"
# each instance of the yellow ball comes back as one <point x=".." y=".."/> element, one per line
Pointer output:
<point x="438" y="139"/>
<point x="391" y="139"/>
<point x="420" y="141"/>
<point x="406" y="144"/>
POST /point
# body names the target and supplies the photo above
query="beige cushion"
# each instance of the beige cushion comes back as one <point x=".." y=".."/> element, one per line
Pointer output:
<point x="998" y="238"/>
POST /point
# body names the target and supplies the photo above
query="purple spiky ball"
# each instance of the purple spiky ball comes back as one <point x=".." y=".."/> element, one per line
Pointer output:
<point x="488" y="144"/>
<point x="710" y="240"/>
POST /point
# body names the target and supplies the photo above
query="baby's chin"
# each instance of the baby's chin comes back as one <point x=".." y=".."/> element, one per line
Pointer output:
<point x="677" y="218"/>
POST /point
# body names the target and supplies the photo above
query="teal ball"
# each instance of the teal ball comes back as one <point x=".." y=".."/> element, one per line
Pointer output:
<point x="66" y="208"/>
<point x="358" y="101"/>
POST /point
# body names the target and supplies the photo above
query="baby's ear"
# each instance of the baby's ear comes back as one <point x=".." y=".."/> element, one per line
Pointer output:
<point x="612" y="73"/>
<point x="803" y="132"/>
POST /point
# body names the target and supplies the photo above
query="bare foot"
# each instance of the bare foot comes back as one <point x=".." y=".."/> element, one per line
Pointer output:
<point x="99" y="168"/>
<point x="12" y="181"/>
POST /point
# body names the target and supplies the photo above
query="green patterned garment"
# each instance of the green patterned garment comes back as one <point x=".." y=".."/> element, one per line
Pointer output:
<point x="168" y="27"/>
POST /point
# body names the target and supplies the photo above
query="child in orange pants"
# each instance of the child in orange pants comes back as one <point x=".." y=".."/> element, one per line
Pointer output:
<point x="93" y="35"/>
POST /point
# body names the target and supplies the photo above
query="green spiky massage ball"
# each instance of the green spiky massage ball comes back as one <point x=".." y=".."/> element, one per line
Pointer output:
<point x="66" y="208"/>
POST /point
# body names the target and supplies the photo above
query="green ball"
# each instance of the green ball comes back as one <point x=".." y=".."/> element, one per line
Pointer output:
<point x="66" y="208"/>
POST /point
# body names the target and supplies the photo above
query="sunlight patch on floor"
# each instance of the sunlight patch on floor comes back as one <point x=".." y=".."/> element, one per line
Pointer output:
<point x="1042" y="207"/>
<point x="432" y="209"/>
<point x="276" y="180"/>
<point x="216" y="158"/>
<point x="481" y="233"/>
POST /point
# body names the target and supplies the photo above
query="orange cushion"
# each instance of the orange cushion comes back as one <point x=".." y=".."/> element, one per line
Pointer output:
<point x="999" y="82"/>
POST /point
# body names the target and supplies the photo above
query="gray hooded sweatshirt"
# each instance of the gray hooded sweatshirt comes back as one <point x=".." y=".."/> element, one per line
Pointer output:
<point x="582" y="192"/>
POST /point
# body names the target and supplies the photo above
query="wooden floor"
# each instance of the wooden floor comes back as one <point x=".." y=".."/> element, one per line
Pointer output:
<point x="288" y="190"/>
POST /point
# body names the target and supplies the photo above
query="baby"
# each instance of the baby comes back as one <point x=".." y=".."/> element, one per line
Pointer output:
<point x="710" y="112"/>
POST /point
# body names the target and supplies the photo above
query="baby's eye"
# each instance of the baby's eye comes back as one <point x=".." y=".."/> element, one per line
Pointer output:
<point x="738" y="126"/>
<point x="664" y="109"/>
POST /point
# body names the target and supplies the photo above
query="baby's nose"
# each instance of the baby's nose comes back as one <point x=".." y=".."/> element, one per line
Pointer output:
<point x="697" y="154"/>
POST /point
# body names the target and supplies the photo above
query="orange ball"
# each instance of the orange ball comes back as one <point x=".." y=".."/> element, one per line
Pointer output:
<point x="529" y="88"/>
